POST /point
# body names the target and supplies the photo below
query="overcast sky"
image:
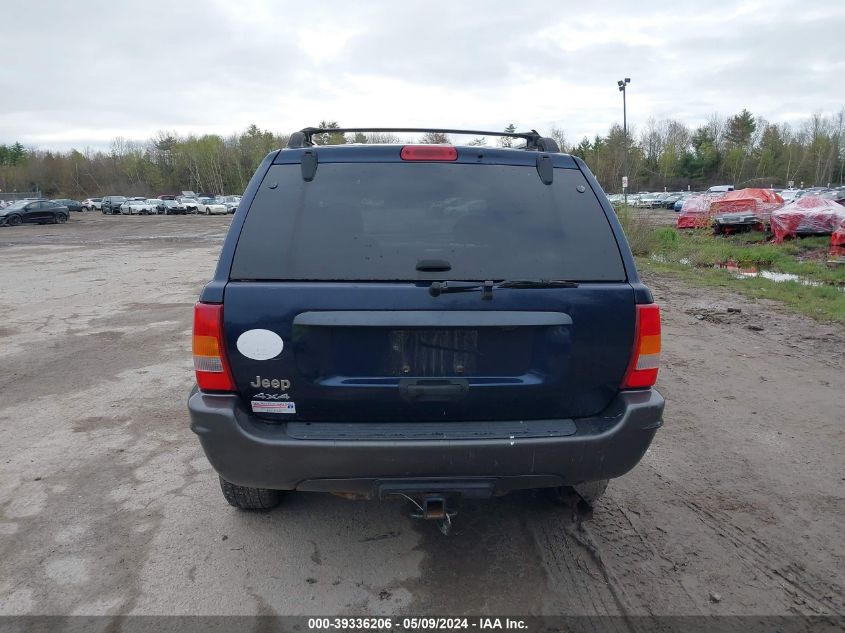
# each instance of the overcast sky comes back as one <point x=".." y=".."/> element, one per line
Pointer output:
<point x="77" y="74"/>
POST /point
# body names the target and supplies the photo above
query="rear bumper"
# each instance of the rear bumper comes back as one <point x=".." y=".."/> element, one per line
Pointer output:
<point x="247" y="451"/>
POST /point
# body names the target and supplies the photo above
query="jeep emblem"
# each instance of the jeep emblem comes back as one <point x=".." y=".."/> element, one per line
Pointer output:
<point x="270" y="383"/>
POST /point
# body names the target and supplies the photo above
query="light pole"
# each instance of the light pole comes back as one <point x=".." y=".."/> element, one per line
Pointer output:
<point x="622" y="83"/>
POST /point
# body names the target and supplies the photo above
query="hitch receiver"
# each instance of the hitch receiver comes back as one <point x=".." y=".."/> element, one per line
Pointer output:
<point x="434" y="508"/>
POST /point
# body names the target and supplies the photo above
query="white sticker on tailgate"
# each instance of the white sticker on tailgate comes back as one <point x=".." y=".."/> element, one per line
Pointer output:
<point x="259" y="406"/>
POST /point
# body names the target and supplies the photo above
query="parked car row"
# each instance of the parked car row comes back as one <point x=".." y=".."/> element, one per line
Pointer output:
<point x="164" y="205"/>
<point x="57" y="211"/>
<point x="645" y="200"/>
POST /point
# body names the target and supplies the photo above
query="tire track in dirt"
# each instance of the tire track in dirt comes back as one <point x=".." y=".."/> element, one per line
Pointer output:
<point x="811" y="591"/>
<point x="581" y="582"/>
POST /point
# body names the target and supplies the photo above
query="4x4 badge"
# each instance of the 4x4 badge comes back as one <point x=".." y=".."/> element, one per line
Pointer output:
<point x="271" y="396"/>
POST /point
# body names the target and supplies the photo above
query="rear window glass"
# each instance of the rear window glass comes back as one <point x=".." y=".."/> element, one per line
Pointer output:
<point x="377" y="221"/>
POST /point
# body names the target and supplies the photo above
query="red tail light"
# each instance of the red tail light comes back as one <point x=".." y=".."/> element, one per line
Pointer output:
<point x="642" y="372"/>
<point x="210" y="364"/>
<point x="429" y="152"/>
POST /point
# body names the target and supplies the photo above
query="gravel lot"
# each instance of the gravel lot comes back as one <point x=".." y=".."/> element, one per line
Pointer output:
<point x="109" y="506"/>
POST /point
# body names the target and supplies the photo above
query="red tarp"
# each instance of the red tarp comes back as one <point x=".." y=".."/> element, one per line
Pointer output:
<point x="810" y="214"/>
<point x="699" y="211"/>
<point x="695" y="212"/>
<point x="837" y="238"/>
<point x="760" y="202"/>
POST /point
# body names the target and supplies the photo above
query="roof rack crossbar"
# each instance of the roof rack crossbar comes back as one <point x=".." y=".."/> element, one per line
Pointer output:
<point x="303" y="138"/>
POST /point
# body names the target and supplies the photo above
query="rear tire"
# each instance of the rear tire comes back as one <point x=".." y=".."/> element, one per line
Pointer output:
<point x="250" y="498"/>
<point x="592" y="491"/>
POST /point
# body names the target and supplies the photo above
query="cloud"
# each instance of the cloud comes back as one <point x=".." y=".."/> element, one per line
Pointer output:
<point x="98" y="69"/>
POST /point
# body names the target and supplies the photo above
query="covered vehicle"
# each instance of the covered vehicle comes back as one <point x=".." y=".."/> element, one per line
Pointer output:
<point x="809" y="215"/>
<point x="695" y="211"/>
<point x="743" y="208"/>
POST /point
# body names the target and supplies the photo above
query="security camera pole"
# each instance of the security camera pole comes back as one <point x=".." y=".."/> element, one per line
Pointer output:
<point x="622" y="83"/>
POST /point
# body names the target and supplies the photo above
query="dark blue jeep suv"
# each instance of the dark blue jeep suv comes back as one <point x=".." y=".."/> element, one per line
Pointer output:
<point x="423" y="321"/>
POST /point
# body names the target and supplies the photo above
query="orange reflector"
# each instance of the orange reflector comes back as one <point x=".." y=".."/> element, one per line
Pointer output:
<point x="206" y="346"/>
<point x="650" y="344"/>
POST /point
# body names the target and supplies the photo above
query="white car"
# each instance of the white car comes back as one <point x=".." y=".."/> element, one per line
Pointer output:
<point x="209" y="206"/>
<point x="231" y="202"/>
<point x="189" y="203"/>
<point x="92" y="204"/>
<point x="137" y="207"/>
<point x="156" y="204"/>
<point x="647" y="201"/>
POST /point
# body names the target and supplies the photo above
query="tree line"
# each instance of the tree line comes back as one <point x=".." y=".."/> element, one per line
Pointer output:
<point x="743" y="150"/>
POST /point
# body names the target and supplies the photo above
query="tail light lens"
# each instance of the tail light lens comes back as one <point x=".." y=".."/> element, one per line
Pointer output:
<point x="429" y="152"/>
<point x="642" y="372"/>
<point x="210" y="364"/>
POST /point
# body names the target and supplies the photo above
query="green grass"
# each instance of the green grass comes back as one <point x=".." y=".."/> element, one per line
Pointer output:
<point x="695" y="257"/>
<point x="825" y="303"/>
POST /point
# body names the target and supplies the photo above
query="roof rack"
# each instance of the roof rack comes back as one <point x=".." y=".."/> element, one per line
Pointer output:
<point x="533" y="140"/>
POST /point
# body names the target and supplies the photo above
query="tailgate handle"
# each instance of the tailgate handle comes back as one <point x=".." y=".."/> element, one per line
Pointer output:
<point x="433" y="389"/>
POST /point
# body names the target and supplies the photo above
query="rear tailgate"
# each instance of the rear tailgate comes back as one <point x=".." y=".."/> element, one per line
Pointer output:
<point x="527" y="354"/>
<point x="333" y="267"/>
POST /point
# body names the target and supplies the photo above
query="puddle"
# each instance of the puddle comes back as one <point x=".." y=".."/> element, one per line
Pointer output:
<point x="753" y="271"/>
<point x="779" y="277"/>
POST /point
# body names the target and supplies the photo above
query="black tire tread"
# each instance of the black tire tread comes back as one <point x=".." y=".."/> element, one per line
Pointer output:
<point x="247" y="498"/>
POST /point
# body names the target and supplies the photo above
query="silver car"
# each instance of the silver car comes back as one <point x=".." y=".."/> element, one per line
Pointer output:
<point x="211" y="206"/>
<point x="137" y="207"/>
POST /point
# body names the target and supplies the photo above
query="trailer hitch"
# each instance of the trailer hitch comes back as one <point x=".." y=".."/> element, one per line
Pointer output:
<point x="434" y="508"/>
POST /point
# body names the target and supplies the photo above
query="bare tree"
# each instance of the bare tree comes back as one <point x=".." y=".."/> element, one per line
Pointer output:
<point x="435" y="138"/>
<point x="559" y="137"/>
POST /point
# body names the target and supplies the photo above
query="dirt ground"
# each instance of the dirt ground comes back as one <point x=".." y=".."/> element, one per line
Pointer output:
<point x="109" y="506"/>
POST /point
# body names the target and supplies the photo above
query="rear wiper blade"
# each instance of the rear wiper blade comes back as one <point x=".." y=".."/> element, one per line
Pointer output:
<point x="438" y="288"/>
<point x="537" y="283"/>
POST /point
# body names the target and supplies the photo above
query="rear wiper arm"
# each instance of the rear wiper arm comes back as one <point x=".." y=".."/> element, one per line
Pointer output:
<point x="438" y="288"/>
<point x="537" y="283"/>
